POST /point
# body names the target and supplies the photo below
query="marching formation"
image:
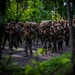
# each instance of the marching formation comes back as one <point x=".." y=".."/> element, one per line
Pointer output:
<point x="50" y="34"/>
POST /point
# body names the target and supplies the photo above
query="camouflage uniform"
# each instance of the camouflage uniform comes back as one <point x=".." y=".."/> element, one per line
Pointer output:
<point x="6" y="35"/>
<point x="45" y="41"/>
<point x="13" y="38"/>
<point x="60" y="39"/>
<point x="67" y="36"/>
<point x="28" y="41"/>
<point x="36" y="34"/>
<point x="54" y="41"/>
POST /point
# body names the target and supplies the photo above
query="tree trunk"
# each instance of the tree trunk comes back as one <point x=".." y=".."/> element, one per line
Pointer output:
<point x="2" y="15"/>
<point x="71" y="33"/>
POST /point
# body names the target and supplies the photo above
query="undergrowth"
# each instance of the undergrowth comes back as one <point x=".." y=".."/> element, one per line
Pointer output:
<point x="55" y="65"/>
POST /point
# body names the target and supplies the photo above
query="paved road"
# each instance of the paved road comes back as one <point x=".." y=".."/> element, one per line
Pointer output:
<point x="18" y="57"/>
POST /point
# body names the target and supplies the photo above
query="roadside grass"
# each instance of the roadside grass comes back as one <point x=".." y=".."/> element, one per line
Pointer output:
<point x="58" y="65"/>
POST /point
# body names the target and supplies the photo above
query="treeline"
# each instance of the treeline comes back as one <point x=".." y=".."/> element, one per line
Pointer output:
<point x="37" y="10"/>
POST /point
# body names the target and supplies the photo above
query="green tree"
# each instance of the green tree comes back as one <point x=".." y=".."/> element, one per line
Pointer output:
<point x="3" y="4"/>
<point x="16" y="9"/>
<point x="71" y="34"/>
<point x="23" y="10"/>
<point x="56" y="8"/>
<point x="33" y="12"/>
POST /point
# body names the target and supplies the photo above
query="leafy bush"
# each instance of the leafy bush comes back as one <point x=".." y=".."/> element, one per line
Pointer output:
<point x="47" y="67"/>
<point x="40" y="68"/>
<point x="11" y="70"/>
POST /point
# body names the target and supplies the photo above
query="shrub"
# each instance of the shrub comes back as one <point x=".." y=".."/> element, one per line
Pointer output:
<point x="39" y="68"/>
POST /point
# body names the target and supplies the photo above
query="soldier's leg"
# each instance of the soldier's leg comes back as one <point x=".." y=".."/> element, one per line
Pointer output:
<point x="36" y="41"/>
<point x="42" y="40"/>
<point x="5" y="39"/>
<point x="45" y="46"/>
<point x="49" y="45"/>
<point x="19" y="40"/>
<point x="15" y="44"/>
<point x="26" y="51"/>
<point x="59" y="45"/>
<point x="30" y="47"/>
<point x="52" y="43"/>
<point x="55" y="48"/>
<point x="67" y="42"/>
<point x="11" y="44"/>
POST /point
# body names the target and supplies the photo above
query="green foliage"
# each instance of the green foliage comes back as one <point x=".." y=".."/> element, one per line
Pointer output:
<point x="40" y="68"/>
<point x="11" y="70"/>
<point x="30" y="70"/>
<point x="41" y="50"/>
<point x="35" y="10"/>
<point x="50" y="65"/>
<point x="27" y="10"/>
<point x="47" y="67"/>
<point x="43" y="68"/>
<point x="64" y="70"/>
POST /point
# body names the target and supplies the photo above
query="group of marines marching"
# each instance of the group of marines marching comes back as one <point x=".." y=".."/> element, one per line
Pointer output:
<point x="50" y="34"/>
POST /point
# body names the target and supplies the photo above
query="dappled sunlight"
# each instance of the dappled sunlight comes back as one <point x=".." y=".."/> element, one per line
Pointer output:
<point x="16" y="55"/>
<point x="37" y="37"/>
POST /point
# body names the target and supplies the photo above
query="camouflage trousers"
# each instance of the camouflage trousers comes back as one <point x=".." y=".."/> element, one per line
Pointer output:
<point x="28" y="46"/>
<point x="13" y="42"/>
<point x="47" y="45"/>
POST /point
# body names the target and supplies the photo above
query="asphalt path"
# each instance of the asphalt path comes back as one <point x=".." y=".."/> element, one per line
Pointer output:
<point x="18" y="57"/>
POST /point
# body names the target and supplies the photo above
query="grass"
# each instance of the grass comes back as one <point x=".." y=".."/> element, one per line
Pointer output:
<point x="55" y="65"/>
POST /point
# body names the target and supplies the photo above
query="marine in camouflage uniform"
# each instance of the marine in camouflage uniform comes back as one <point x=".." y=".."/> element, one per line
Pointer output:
<point x="28" y="40"/>
<point x="50" y="40"/>
<point x="45" y="41"/>
<point x="67" y="36"/>
<point x="60" y="39"/>
<point x="54" y="41"/>
<point x="6" y="35"/>
<point x="36" y="37"/>
<point x="13" y="38"/>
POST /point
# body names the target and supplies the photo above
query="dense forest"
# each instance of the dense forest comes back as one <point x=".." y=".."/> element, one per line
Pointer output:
<point x="37" y="11"/>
